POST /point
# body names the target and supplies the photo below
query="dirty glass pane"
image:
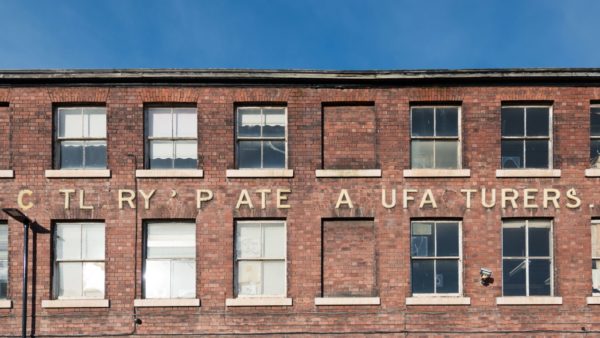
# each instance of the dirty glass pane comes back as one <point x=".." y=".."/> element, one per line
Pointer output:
<point x="249" y="154"/>
<point x="422" y="239"/>
<point x="539" y="238"/>
<point x="93" y="280"/>
<point x="446" y="276"/>
<point x="512" y="154"/>
<point x="595" y="121"/>
<point x="161" y="154"/>
<point x="422" y="277"/>
<point x="171" y="240"/>
<point x="273" y="154"/>
<point x="249" y="122"/>
<point x="513" y="239"/>
<point x="538" y="121"/>
<point x="596" y="240"/>
<point x="539" y="277"/>
<point x="446" y="154"/>
<point x="186" y="122"/>
<point x="536" y="154"/>
<point x="274" y="241"/>
<point x="447" y="239"/>
<point x="513" y="121"/>
<point x="513" y="277"/>
<point x="93" y="239"/>
<point x="70" y="122"/>
<point x="183" y="284"/>
<point x="68" y="241"/>
<point x="249" y="244"/>
<point x="446" y="122"/>
<point x="71" y="155"/>
<point x="157" y="277"/>
<point x="274" y="278"/>
<point x="186" y="154"/>
<point x="596" y="276"/>
<point x="249" y="278"/>
<point x="422" y="121"/>
<point x="160" y="122"/>
<point x="69" y="280"/>
<point x="274" y="122"/>
<point x="595" y="153"/>
<point x="421" y="154"/>
<point x="95" y="154"/>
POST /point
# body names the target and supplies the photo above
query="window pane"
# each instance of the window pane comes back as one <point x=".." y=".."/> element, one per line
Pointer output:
<point x="595" y="239"/>
<point x="512" y="154"/>
<point x="446" y="278"/>
<point x="71" y="155"/>
<point x="422" y="122"/>
<point x="93" y="280"/>
<point x="539" y="240"/>
<point x="70" y="122"/>
<point x="249" y="154"/>
<point x="422" y="276"/>
<point x="513" y="277"/>
<point x="595" y="153"/>
<point x="3" y="241"/>
<point x="513" y="239"/>
<point x="160" y="122"/>
<point x="595" y="121"/>
<point x="3" y="279"/>
<point x="513" y="122"/>
<point x="422" y="240"/>
<point x="446" y="154"/>
<point x="156" y="277"/>
<point x="248" y="240"/>
<point x="186" y="122"/>
<point x="249" y="122"/>
<point x="539" y="277"/>
<point x="183" y="284"/>
<point x="94" y="122"/>
<point x="274" y="122"/>
<point x="274" y="278"/>
<point x="186" y="154"/>
<point x="421" y="154"/>
<point x="161" y="154"/>
<point x="69" y="280"/>
<point x="596" y="276"/>
<point x="536" y="153"/>
<point x="273" y="154"/>
<point x="274" y="241"/>
<point x="68" y="241"/>
<point x="447" y="239"/>
<point x="95" y="154"/>
<point x="93" y="241"/>
<point x="171" y="240"/>
<point x="538" y="121"/>
<point x="249" y="278"/>
<point x="446" y="122"/>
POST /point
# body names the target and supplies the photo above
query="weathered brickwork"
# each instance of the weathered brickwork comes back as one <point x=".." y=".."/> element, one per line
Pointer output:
<point x="26" y="135"/>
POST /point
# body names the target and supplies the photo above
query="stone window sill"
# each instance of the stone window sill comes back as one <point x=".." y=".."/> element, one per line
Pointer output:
<point x="531" y="300"/>
<point x="348" y="301"/>
<point x="260" y="173"/>
<point x="258" y="301"/>
<point x="5" y="303"/>
<point x="75" y="173"/>
<point x="524" y="173"/>
<point x="7" y="173"/>
<point x="437" y="173"/>
<point x="74" y="303"/>
<point x="593" y="172"/>
<point x="165" y="173"/>
<point x="322" y="173"/>
<point x="593" y="300"/>
<point x="191" y="302"/>
<point x="438" y="300"/>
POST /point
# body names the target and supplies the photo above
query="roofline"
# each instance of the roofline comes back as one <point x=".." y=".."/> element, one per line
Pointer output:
<point x="255" y="76"/>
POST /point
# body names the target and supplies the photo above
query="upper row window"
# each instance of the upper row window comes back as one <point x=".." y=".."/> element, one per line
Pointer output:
<point x="526" y="137"/>
<point x="80" y="138"/>
<point x="171" y="138"/>
<point x="261" y="137"/>
<point x="435" y="138"/>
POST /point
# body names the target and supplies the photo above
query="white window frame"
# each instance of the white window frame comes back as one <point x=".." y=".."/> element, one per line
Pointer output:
<point x="527" y="257"/>
<point x="434" y="137"/>
<point x="57" y="261"/>
<point x="58" y="140"/>
<point x="593" y="137"/>
<point x="148" y="139"/>
<point x="145" y="259"/>
<point x="595" y="222"/>
<point x="7" y="259"/>
<point x="260" y="259"/>
<point x="550" y="136"/>
<point x="435" y="258"/>
<point x="260" y="138"/>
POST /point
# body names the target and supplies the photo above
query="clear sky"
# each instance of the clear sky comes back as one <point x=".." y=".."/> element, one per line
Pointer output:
<point x="300" y="34"/>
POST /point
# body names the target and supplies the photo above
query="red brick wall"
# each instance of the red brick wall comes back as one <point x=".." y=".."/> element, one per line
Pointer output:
<point x="30" y="148"/>
<point x="349" y="137"/>
<point x="349" y="260"/>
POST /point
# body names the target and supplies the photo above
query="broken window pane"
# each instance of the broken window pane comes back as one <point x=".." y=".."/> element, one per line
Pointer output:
<point x="423" y="240"/>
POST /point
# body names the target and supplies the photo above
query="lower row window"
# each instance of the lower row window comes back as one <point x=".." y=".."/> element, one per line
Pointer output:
<point x="3" y="260"/>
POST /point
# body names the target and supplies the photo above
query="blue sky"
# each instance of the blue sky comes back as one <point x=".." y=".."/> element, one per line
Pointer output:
<point x="300" y="34"/>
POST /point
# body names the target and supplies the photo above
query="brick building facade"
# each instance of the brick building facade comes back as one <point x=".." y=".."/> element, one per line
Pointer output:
<point x="300" y="202"/>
